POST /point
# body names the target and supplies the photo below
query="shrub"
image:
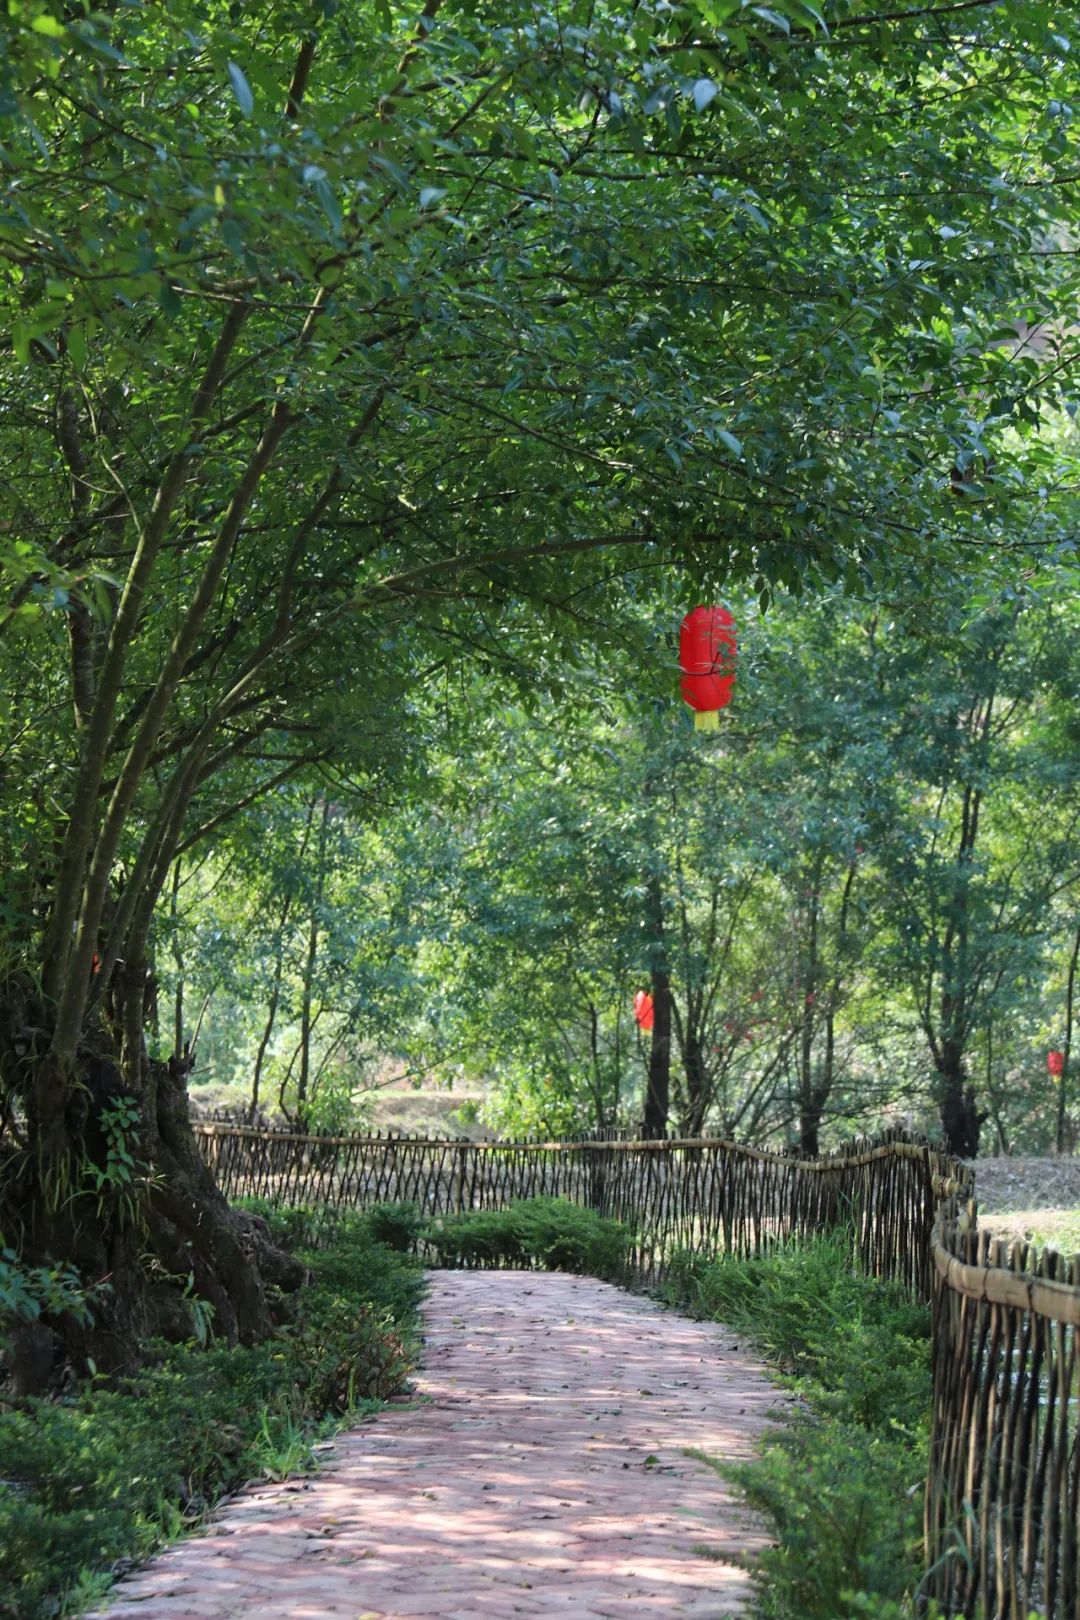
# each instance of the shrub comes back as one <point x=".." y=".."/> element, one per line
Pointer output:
<point x="544" y="1232"/>
<point x="111" y="1471"/>
<point x="399" y="1226"/>
<point x="480" y="1237"/>
<point x="842" y="1481"/>
<point x="565" y="1237"/>
<point x="301" y="1226"/>
<point x="847" y="1507"/>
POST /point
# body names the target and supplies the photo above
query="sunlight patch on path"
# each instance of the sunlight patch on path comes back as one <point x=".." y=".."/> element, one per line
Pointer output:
<point x="544" y="1472"/>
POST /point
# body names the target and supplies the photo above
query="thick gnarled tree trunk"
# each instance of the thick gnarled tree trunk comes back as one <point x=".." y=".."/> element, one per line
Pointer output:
<point x="127" y="1202"/>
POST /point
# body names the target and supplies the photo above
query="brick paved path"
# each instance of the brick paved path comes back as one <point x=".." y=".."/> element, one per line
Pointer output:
<point x="544" y="1474"/>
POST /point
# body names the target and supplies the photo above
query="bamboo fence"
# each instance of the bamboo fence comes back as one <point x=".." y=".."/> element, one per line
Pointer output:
<point x="698" y="1194"/>
<point x="1003" y="1495"/>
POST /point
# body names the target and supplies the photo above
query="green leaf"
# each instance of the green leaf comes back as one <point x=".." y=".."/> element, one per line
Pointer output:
<point x="170" y="299"/>
<point x="328" y="202"/>
<point x="704" y="92"/>
<point x="241" y="90"/>
<point x="773" y="17"/>
<point x="76" y="346"/>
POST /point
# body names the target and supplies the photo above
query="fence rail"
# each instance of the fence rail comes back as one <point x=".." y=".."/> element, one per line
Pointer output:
<point x="1003" y="1496"/>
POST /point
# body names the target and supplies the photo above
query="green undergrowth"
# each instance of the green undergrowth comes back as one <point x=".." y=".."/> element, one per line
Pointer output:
<point x="547" y="1233"/>
<point x="841" y="1478"/>
<point x="106" y="1474"/>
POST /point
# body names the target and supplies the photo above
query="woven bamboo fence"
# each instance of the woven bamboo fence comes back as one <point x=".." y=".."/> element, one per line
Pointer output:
<point x="701" y="1194"/>
<point x="1003" y="1498"/>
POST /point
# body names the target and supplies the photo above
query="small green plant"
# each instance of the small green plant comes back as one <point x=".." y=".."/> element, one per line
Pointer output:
<point x="282" y="1446"/>
<point x="116" y="1184"/>
<point x="202" y="1313"/>
<point x="30" y="1292"/>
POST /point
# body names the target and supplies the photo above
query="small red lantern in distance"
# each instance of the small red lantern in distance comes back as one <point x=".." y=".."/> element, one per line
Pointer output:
<point x="643" y="1009"/>
<point x="707" y="660"/>
<point x="1055" y="1064"/>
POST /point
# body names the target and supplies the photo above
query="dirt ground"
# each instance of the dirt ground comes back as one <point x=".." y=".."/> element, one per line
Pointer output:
<point x="1033" y="1199"/>
<point x="1004" y="1185"/>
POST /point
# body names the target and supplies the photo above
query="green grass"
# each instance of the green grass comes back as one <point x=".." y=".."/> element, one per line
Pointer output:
<point x="841" y="1479"/>
<point x="113" y="1470"/>
<point x="1047" y="1228"/>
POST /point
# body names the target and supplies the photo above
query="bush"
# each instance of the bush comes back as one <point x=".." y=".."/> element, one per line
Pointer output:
<point x="302" y="1226"/>
<point x="480" y="1237"/>
<point x="842" y="1481"/>
<point x="112" y="1471"/>
<point x="847" y="1507"/>
<point x="399" y="1226"/>
<point x="544" y="1232"/>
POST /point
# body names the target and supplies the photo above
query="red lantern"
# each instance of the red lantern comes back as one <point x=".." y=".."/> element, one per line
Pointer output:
<point x="707" y="660"/>
<point x="643" y="1009"/>
<point x="1055" y="1064"/>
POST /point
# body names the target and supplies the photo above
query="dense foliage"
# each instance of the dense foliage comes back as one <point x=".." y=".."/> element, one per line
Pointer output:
<point x="861" y="895"/>
<point x="99" y="1478"/>
<point x="548" y="1233"/>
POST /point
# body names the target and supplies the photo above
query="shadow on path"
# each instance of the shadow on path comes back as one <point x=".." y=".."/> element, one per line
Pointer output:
<point x="542" y="1473"/>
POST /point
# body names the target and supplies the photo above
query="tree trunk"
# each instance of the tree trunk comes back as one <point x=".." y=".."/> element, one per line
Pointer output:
<point x="271" y="1016"/>
<point x="1061" y="1130"/>
<point x="961" y="1120"/>
<point x="698" y="1089"/>
<point x="811" y="1111"/>
<point x="134" y="1234"/>
<point x="658" y="1084"/>
<point x="303" y="1084"/>
<point x="992" y="1097"/>
<point x="657" y="1095"/>
<point x="178" y="959"/>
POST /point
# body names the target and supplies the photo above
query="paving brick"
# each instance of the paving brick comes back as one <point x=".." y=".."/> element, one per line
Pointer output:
<point x="544" y="1475"/>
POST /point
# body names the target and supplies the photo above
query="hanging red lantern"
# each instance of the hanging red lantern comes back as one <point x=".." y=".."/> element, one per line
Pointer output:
<point x="643" y="1009"/>
<point x="707" y="660"/>
<point x="1055" y="1064"/>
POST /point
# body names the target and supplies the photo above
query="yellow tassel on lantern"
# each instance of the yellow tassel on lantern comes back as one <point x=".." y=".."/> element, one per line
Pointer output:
<point x="706" y="720"/>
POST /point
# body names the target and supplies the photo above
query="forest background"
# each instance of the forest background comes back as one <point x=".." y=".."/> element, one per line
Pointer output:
<point x="870" y="874"/>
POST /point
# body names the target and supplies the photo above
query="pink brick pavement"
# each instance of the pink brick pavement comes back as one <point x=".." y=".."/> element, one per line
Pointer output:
<point x="543" y="1472"/>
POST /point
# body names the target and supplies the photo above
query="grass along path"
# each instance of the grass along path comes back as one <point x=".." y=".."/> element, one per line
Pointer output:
<point x="545" y="1469"/>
